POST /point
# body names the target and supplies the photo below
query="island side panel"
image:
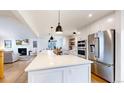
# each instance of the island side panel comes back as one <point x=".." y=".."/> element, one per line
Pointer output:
<point x="70" y="74"/>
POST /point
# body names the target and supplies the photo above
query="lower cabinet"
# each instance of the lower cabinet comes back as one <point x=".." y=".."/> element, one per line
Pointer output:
<point x="77" y="74"/>
<point x="71" y="74"/>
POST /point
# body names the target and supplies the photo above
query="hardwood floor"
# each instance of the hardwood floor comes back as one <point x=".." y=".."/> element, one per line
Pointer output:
<point x="14" y="73"/>
<point x="96" y="79"/>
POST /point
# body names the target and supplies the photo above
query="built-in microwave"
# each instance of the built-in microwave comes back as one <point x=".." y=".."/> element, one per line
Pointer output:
<point x="82" y="48"/>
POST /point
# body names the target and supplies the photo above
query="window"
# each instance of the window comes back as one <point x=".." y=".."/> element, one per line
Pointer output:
<point x="52" y="44"/>
<point x="7" y="43"/>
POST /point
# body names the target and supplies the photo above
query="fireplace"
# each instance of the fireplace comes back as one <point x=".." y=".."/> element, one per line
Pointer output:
<point x="22" y="51"/>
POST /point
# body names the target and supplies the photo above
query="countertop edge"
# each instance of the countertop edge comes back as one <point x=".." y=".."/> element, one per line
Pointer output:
<point x="55" y="67"/>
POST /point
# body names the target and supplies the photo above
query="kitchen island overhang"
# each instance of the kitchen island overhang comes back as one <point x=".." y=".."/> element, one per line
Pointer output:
<point x="50" y="68"/>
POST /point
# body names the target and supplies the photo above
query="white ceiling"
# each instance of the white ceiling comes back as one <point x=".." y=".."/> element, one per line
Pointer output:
<point x="13" y="27"/>
<point x="40" y="21"/>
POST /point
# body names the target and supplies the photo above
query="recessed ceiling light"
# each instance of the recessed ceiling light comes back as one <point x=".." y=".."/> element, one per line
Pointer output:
<point x="90" y="15"/>
<point x="109" y="19"/>
<point x="78" y="33"/>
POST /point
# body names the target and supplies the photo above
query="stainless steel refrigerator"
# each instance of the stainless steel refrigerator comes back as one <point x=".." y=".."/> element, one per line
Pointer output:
<point x="101" y="50"/>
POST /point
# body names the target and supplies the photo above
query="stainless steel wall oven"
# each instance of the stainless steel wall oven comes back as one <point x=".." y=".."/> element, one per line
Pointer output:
<point x="82" y="48"/>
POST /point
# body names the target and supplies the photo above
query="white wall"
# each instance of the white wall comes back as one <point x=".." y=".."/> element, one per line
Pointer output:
<point x="112" y="21"/>
<point x="12" y="29"/>
<point x="42" y="43"/>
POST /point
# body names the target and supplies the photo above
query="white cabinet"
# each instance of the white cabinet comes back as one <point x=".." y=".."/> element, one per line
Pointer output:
<point x="46" y="76"/>
<point x="71" y="74"/>
<point x="77" y="74"/>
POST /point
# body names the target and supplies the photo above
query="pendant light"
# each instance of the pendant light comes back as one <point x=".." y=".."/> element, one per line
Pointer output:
<point x="51" y="38"/>
<point x="74" y="33"/>
<point x="48" y="40"/>
<point x="59" y="27"/>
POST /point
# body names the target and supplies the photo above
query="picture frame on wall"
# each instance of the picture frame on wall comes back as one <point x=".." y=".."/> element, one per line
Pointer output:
<point x="22" y="42"/>
<point x="26" y="41"/>
<point x="7" y="43"/>
<point x="18" y="42"/>
<point x="34" y="44"/>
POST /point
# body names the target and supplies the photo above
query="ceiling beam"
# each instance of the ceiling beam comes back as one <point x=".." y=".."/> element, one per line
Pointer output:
<point x="26" y="21"/>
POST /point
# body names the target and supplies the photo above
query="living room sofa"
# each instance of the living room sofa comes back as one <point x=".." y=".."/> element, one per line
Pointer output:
<point x="10" y="57"/>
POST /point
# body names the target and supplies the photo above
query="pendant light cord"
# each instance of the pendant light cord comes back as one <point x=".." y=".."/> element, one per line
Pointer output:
<point x="51" y="31"/>
<point x="59" y="28"/>
<point x="59" y="17"/>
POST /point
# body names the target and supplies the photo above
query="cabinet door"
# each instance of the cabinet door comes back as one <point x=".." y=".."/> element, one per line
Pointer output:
<point x="77" y="74"/>
<point x="47" y="76"/>
<point x="1" y="65"/>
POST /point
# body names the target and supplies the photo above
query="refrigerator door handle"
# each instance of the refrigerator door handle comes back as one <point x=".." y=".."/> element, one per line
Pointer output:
<point x="97" y="46"/>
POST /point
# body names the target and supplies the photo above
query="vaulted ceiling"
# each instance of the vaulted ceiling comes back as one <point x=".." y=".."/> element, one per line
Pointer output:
<point x="13" y="26"/>
<point x="40" y="21"/>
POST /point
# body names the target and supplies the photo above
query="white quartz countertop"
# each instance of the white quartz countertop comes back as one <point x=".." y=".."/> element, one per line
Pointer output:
<point x="48" y="60"/>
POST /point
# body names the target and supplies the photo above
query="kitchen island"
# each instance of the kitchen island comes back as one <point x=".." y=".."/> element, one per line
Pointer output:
<point x="50" y="68"/>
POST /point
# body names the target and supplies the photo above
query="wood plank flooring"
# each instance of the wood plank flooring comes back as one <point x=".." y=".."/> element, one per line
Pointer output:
<point x="14" y="73"/>
<point x="96" y="79"/>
